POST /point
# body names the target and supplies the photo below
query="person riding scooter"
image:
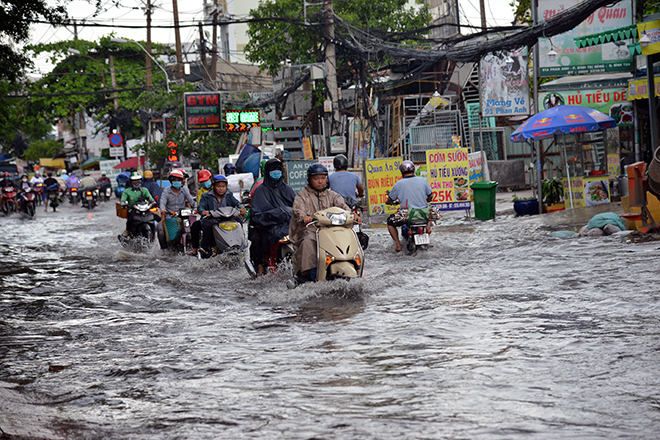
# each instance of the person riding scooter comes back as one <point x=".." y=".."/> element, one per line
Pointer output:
<point x="148" y="182"/>
<point x="204" y="181"/>
<point x="217" y="198"/>
<point x="132" y="195"/>
<point x="316" y="196"/>
<point x="271" y="213"/>
<point x="173" y="199"/>
<point x="345" y="183"/>
<point x="413" y="192"/>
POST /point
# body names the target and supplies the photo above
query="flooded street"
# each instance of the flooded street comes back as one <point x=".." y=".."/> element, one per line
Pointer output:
<point x="497" y="332"/>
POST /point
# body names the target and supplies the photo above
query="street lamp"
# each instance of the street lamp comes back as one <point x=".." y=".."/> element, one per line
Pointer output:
<point x="124" y="41"/>
<point x="77" y="52"/>
<point x="644" y="40"/>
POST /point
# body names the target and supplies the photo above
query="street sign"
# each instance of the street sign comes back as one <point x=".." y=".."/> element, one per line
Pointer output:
<point x="202" y="110"/>
<point x="241" y="120"/>
<point x="116" y="151"/>
<point x="115" y="139"/>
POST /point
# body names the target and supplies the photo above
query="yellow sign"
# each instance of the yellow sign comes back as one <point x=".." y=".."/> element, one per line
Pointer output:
<point x="652" y="30"/>
<point x="638" y="89"/>
<point x="381" y="176"/>
<point x="449" y="177"/>
<point x="307" y="148"/>
<point x="587" y="191"/>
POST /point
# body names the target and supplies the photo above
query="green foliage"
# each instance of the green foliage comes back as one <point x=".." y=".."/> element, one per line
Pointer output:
<point x="515" y="198"/>
<point x="19" y="115"/>
<point x="274" y="42"/>
<point x="47" y="148"/>
<point x="553" y="190"/>
<point x="16" y="17"/>
<point x="205" y="146"/>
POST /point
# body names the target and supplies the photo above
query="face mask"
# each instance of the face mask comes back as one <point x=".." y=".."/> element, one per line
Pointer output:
<point x="276" y="175"/>
<point x="24" y="180"/>
<point x="177" y="185"/>
<point x="206" y="184"/>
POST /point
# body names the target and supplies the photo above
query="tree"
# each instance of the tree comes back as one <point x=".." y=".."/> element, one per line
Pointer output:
<point x="42" y="148"/>
<point x="16" y="16"/>
<point x="205" y="146"/>
<point x="288" y="38"/>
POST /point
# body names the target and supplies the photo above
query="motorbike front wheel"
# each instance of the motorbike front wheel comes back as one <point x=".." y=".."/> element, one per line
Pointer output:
<point x="29" y="209"/>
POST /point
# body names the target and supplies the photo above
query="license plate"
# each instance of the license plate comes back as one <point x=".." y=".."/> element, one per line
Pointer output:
<point x="422" y="239"/>
<point x="89" y="197"/>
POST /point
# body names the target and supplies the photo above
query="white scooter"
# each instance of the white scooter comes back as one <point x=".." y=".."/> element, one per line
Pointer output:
<point x="228" y="232"/>
<point x="338" y="250"/>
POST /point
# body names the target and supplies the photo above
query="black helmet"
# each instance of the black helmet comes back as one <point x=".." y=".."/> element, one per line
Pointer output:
<point x="272" y="164"/>
<point x="407" y="167"/>
<point x="340" y="162"/>
<point x="229" y="169"/>
<point x="315" y="169"/>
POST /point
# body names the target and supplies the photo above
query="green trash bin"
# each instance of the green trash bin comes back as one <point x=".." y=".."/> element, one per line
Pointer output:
<point x="484" y="199"/>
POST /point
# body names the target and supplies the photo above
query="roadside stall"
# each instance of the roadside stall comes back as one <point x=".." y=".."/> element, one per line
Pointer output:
<point x="584" y="139"/>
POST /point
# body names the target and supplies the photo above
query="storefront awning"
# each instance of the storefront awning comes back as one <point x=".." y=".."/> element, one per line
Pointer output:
<point x="639" y="88"/>
<point x="52" y="163"/>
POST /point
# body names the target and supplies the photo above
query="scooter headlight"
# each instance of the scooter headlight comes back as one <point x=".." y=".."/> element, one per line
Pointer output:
<point x="228" y="226"/>
<point x="186" y="212"/>
<point x="338" y="219"/>
<point x="328" y="259"/>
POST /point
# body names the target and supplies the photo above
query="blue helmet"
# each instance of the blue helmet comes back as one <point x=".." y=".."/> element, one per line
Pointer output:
<point x="316" y="169"/>
<point x="218" y="178"/>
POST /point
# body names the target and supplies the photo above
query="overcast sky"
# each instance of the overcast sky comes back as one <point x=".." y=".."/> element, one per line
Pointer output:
<point x="498" y="13"/>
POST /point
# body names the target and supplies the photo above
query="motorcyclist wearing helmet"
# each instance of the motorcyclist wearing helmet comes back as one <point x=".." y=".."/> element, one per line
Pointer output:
<point x="345" y="183"/>
<point x="177" y="196"/>
<point x="7" y="181"/>
<point x="36" y="179"/>
<point x="229" y="169"/>
<point x="316" y="196"/>
<point x="72" y="181"/>
<point x="272" y="207"/>
<point x="204" y="183"/>
<point x="216" y="198"/>
<point x="23" y="182"/>
<point x="87" y="183"/>
<point x="49" y="182"/>
<point x="133" y="194"/>
<point x="412" y="192"/>
<point x="148" y="182"/>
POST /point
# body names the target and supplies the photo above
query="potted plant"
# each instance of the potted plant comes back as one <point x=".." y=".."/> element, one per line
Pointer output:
<point x="525" y="205"/>
<point x="553" y="192"/>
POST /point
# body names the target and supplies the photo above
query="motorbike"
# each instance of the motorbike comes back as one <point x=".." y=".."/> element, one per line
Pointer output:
<point x="177" y="230"/>
<point x="228" y="232"/>
<point x="73" y="195"/>
<point x="90" y="198"/>
<point x="38" y="190"/>
<point x="340" y="255"/>
<point x="280" y="251"/>
<point x="8" y="199"/>
<point x="414" y="230"/>
<point x="356" y="208"/>
<point x="141" y="226"/>
<point x="106" y="191"/>
<point x="54" y="193"/>
<point x="27" y="201"/>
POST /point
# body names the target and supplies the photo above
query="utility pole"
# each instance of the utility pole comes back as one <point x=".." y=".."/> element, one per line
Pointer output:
<point x="177" y="37"/>
<point x="116" y="98"/>
<point x="214" y="54"/>
<point x="148" y="58"/>
<point x="331" y="66"/>
<point x="202" y="52"/>
<point x="482" y="9"/>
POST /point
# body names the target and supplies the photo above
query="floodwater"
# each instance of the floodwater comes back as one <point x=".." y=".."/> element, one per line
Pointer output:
<point x="497" y="332"/>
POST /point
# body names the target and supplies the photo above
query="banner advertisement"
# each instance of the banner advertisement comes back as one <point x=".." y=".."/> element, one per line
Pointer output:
<point x="477" y="164"/>
<point x="106" y="167"/>
<point x="570" y="60"/>
<point x="381" y="175"/>
<point x="296" y="173"/>
<point x="202" y="110"/>
<point x="652" y="30"/>
<point x="448" y="175"/>
<point x="587" y="191"/>
<point x="611" y="101"/>
<point x="504" y="83"/>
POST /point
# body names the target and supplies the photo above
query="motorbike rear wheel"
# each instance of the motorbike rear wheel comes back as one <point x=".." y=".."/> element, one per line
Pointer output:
<point x="411" y="247"/>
